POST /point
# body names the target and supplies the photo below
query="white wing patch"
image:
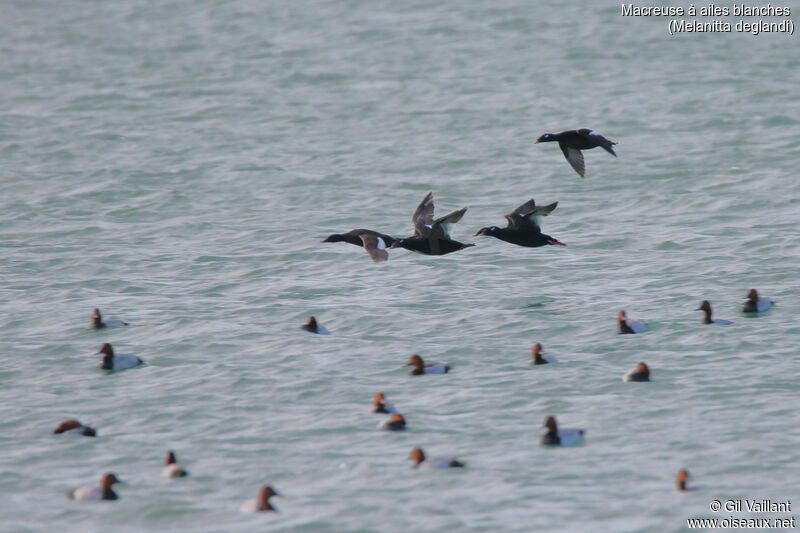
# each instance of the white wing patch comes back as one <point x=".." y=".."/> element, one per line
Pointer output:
<point x="381" y="244"/>
<point x="428" y="226"/>
<point x="594" y="133"/>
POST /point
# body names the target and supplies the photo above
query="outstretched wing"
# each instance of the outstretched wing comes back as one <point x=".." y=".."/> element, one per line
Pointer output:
<point x="575" y="158"/>
<point x="441" y="226"/>
<point x="375" y="247"/>
<point x="527" y="215"/>
<point x="423" y="216"/>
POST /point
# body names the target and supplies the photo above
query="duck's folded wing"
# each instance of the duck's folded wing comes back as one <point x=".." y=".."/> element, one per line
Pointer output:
<point x="375" y="247"/>
<point x="423" y="216"/>
<point x="575" y="158"/>
<point x="441" y="226"/>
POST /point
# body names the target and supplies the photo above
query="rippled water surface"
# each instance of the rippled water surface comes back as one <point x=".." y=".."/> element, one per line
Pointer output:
<point x="177" y="164"/>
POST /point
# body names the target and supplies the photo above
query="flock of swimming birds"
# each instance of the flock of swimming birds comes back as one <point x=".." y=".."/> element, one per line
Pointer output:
<point x="431" y="237"/>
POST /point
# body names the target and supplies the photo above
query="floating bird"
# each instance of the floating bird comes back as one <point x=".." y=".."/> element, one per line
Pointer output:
<point x="421" y="368"/>
<point x="420" y="460"/>
<point x="755" y="304"/>
<point x="98" y="323"/>
<point x="117" y="362"/>
<point x="705" y="307"/>
<point x="572" y="142"/>
<point x="537" y="358"/>
<point x="627" y="326"/>
<point x="73" y="427"/>
<point x="432" y="237"/>
<point x="313" y="327"/>
<point x="101" y="492"/>
<point x="640" y="373"/>
<point x="395" y="422"/>
<point x="523" y="226"/>
<point x="374" y="243"/>
<point x="172" y="468"/>
<point x="681" y="480"/>
<point x="379" y="404"/>
<point x="261" y="503"/>
<point x="560" y="437"/>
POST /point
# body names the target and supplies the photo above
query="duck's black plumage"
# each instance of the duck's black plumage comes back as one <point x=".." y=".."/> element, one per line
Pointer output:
<point x="572" y="142"/>
<point x="523" y="226"/>
<point x="432" y="237"/>
<point x="373" y="242"/>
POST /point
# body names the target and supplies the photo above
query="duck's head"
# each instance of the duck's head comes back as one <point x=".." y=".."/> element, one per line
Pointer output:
<point x="311" y="325"/>
<point x="547" y="137"/>
<point x="416" y="361"/>
<point x="704" y="306"/>
<point x="398" y="243"/>
<point x="397" y="418"/>
<point x="416" y="455"/>
<point x="97" y="318"/>
<point x="752" y="295"/>
<point x="550" y="424"/>
<point x="67" y="425"/>
<point x="643" y="369"/>
<point x="108" y="480"/>
<point x="553" y="241"/>
<point x="107" y="350"/>
<point x="264" y="494"/>
<point x="681" y="479"/>
<point x="170" y="458"/>
<point x="621" y="317"/>
<point x="536" y="352"/>
<point x="487" y="231"/>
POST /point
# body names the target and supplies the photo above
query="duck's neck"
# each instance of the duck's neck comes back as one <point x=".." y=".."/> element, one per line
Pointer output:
<point x="707" y="317"/>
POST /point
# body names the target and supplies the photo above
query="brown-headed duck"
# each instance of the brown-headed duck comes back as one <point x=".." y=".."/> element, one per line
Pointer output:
<point x="705" y="307"/>
<point x="395" y="422"/>
<point x="756" y="304"/>
<point x="640" y="373"/>
<point x="98" y="323"/>
<point x="73" y="427"/>
<point x="420" y="460"/>
<point x="432" y="237"/>
<point x="572" y="142"/>
<point x="682" y="479"/>
<point x="312" y="326"/>
<point x="261" y="503"/>
<point x="553" y="436"/>
<point x="111" y="361"/>
<point x="101" y="492"/>
<point x="380" y="405"/>
<point x="523" y="226"/>
<point x="421" y="368"/>
<point x="374" y="243"/>
<point x="172" y="468"/>
<point x="629" y="326"/>
<point x="537" y="358"/>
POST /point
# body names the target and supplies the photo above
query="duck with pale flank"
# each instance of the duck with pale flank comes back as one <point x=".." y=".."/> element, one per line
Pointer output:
<point x="537" y="358"/>
<point x="312" y="326"/>
<point x="755" y="303"/>
<point x="73" y="427"/>
<point x="112" y="361"/>
<point x="705" y="307"/>
<point x="374" y="243"/>
<point x="395" y="422"/>
<point x="629" y="326"/>
<point x="432" y="237"/>
<point x="171" y="467"/>
<point x="261" y="502"/>
<point x="99" y="323"/>
<point x="103" y="492"/>
<point x="640" y="373"/>
<point x="420" y="460"/>
<point x="572" y="142"/>
<point x="523" y="227"/>
<point x="553" y="436"/>
<point x="421" y="368"/>
<point x="380" y="405"/>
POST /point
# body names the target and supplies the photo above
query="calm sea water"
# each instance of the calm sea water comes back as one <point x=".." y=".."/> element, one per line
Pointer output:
<point x="177" y="164"/>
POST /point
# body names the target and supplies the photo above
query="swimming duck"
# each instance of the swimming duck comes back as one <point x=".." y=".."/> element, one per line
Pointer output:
<point x="395" y="422"/>
<point x="379" y="404"/>
<point x="537" y="358"/>
<point x="705" y="307"/>
<point x="572" y="142"/>
<point x="560" y="437"/>
<point x="313" y="327"/>
<point x="102" y="492"/>
<point x="640" y="373"/>
<point x="421" y="368"/>
<point x="98" y="323"/>
<point x="756" y="304"/>
<point x="523" y="226"/>
<point x="117" y="362"/>
<point x="432" y="237"/>
<point x="261" y="503"/>
<point x="420" y="460"/>
<point x="629" y="326"/>
<point x="73" y="427"/>
<point x="172" y="468"/>
<point x="681" y="480"/>
<point x="374" y="243"/>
